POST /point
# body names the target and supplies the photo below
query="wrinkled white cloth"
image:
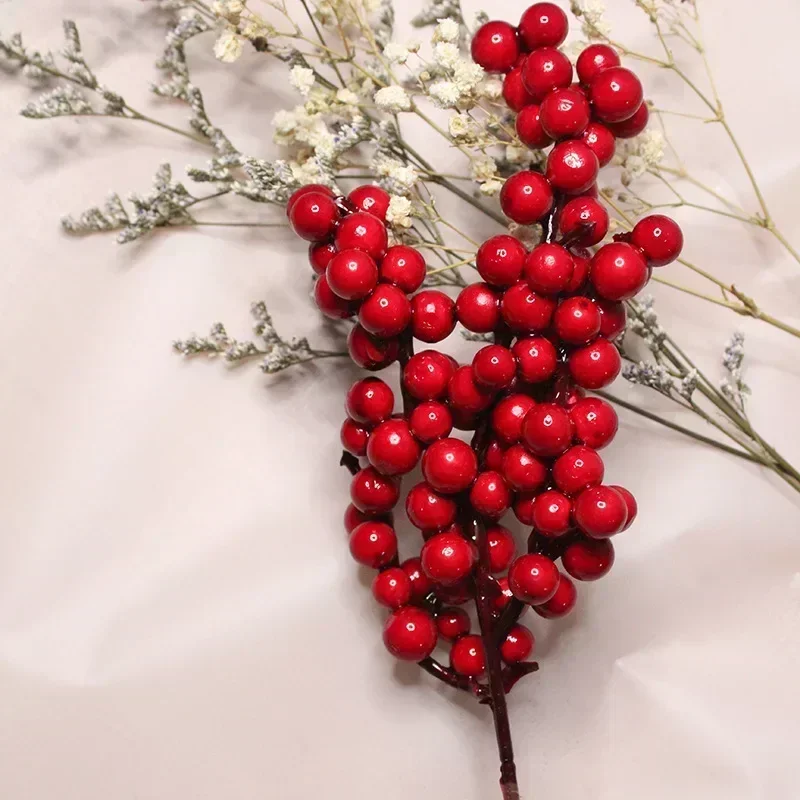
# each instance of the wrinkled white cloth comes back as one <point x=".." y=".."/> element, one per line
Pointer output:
<point x="179" y="615"/>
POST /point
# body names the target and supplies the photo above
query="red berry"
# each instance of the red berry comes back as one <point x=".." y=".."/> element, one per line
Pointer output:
<point x="373" y="544"/>
<point x="584" y="221"/>
<point x="404" y="267"/>
<point x="616" y="94"/>
<point x="618" y="271"/>
<point x="434" y="316"/>
<point x="593" y="60"/>
<point x="494" y="367"/>
<point x="502" y="548"/>
<point x="572" y="167"/>
<point x="543" y="25"/>
<point x="477" y="308"/>
<point x="354" y="437"/>
<point x="320" y="255"/>
<point x="523" y="507"/>
<point x="514" y="92"/>
<point x="371" y="199"/>
<point x="465" y="420"/>
<point x="467" y="657"/>
<point x="370" y="401"/>
<point x="546" y="69"/>
<point x="452" y="622"/>
<point x="352" y="274"/>
<point x="526" y="197"/>
<point x="362" y="231"/>
<point x="577" y="320"/>
<point x="632" y="126"/>
<point x="450" y="465"/>
<point x="518" y="645"/>
<point x="495" y="46"/>
<point x="503" y="596"/>
<point x="659" y="238"/>
<point x="392" y="448"/>
<point x="500" y="260"/>
<point x="594" y="422"/>
<point x="548" y="268"/>
<point x="314" y="216"/>
<point x="427" y="374"/>
<point x="526" y="311"/>
<point x="530" y="130"/>
<point x="613" y="318"/>
<point x="562" y="602"/>
<point x="493" y="457"/>
<point x="600" y="512"/>
<point x="577" y="469"/>
<point x="421" y="584"/>
<point x="372" y="492"/>
<point x="330" y="304"/>
<point x="533" y="578"/>
<point x="392" y="588"/>
<point x="564" y="113"/>
<point x="309" y="188"/>
<point x="507" y="417"/>
<point x="588" y="559"/>
<point x="630" y="505"/>
<point x="581" y="258"/>
<point x="547" y="430"/>
<point x="522" y="470"/>
<point x="386" y="312"/>
<point x="596" y="365"/>
<point x="447" y="558"/>
<point x="353" y="518"/>
<point x="428" y="510"/>
<point x="552" y="513"/>
<point x="536" y="357"/>
<point x="457" y="594"/>
<point x="465" y="395"/>
<point x="600" y="140"/>
<point x="430" y="421"/>
<point x="489" y="495"/>
<point x="410" y="634"/>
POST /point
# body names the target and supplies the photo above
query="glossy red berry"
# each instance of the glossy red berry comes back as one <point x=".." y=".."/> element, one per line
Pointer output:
<point x="613" y="318"/>
<point x="594" y="422"/>
<point x="523" y="507"/>
<point x="581" y="258"/>
<point x="494" y="367"/>
<point x="410" y="634"/>
<point x="543" y="25"/>
<point x="577" y="320"/>
<point x="353" y="518"/>
<point x="578" y="469"/>
<point x="421" y="584"/>
<point x="452" y="622"/>
<point x="502" y="597"/>
<point x="630" y="505"/>
<point x="450" y="465"/>
<point x="514" y="92"/>
<point x="616" y="94"/>
<point x="562" y="602"/>
<point x="500" y="260"/>
<point x="526" y="197"/>
<point x="467" y="657"/>
<point x="404" y="267"/>
<point x="526" y="311"/>
<point x="564" y="113"/>
<point x="309" y="188"/>
<point x="457" y="594"/>
<point x="548" y="268"/>
<point x="530" y="130"/>
<point x="361" y="231"/>
<point x="596" y="365"/>
<point x="593" y="60"/>
<point x="507" y="417"/>
<point x="588" y="559"/>
<point x="477" y="308"/>
<point x="552" y="513"/>
<point x="427" y="374"/>
<point x="429" y="510"/>
<point x="392" y="448"/>
<point x="493" y="456"/>
<point x="430" y="421"/>
<point x="536" y="358"/>
<point x="502" y="548"/>
<point x="465" y="395"/>
<point x="547" y="430"/>
<point x="354" y="437"/>
<point x="320" y="255"/>
<point x="370" y="401"/>
<point x="572" y="167"/>
<point x="601" y="141"/>
<point x="447" y="558"/>
<point x="371" y="199"/>
<point x="330" y="304"/>
<point x="584" y="221"/>
<point x="632" y="126"/>
<point x="546" y="69"/>
<point x="386" y="312"/>
<point x="373" y="544"/>
<point x="372" y="492"/>
<point x="600" y="512"/>
<point x="434" y="316"/>
<point x="522" y="470"/>
<point x="314" y="216"/>
<point x="352" y="274"/>
<point x="392" y="588"/>
<point x="533" y="578"/>
<point x="490" y="495"/>
<point x="659" y="238"/>
<point x="618" y="271"/>
<point x="495" y="46"/>
<point x="518" y="645"/>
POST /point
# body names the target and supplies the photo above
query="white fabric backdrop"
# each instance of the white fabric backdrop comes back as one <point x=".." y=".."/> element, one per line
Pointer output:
<point x="179" y="617"/>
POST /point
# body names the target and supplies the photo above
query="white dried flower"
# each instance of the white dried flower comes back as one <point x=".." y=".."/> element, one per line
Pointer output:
<point x="516" y="155"/>
<point x="446" y="54"/>
<point x="651" y="147"/>
<point x="302" y="79"/>
<point x="446" y="31"/>
<point x="491" y="89"/>
<point x="483" y="169"/>
<point x="467" y="76"/>
<point x="307" y="172"/>
<point x="392" y="98"/>
<point x="398" y="178"/>
<point x="396" y="53"/>
<point x="491" y="187"/>
<point x="228" y="9"/>
<point x="592" y="11"/>
<point x="463" y="128"/>
<point x="348" y="97"/>
<point x="228" y="46"/>
<point x="399" y="212"/>
<point x="444" y="94"/>
<point x="634" y="167"/>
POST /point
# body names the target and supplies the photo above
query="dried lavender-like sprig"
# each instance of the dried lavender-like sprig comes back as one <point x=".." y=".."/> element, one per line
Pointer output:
<point x="733" y="385"/>
<point x="436" y="10"/>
